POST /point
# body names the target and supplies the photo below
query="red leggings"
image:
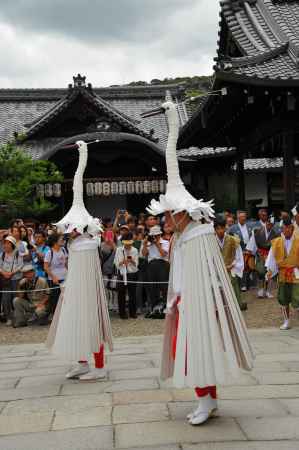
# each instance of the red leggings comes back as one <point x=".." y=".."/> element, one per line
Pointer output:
<point x="200" y="392"/>
<point x="99" y="359"/>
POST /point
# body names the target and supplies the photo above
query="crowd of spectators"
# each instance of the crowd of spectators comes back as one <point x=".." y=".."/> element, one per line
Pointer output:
<point x="134" y="253"/>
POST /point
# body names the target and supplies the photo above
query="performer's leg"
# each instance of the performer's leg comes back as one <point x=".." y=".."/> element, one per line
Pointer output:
<point x="132" y="295"/>
<point x="122" y="301"/>
<point x="207" y="405"/>
<point x="284" y="298"/>
<point x="98" y="372"/>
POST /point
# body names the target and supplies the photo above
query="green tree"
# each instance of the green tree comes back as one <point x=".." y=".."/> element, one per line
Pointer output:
<point x="19" y="175"/>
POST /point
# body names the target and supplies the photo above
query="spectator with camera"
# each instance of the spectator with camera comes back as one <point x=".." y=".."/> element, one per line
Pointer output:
<point x="126" y="262"/>
<point x="32" y="303"/>
<point x="156" y="249"/>
<point x="11" y="263"/>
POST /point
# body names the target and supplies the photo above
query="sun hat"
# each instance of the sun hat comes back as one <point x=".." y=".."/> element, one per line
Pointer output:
<point x="27" y="268"/>
<point x="155" y="230"/>
<point x="11" y="239"/>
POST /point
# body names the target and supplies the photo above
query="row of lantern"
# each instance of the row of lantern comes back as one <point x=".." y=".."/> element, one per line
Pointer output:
<point x="48" y="190"/>
<point x="125" y="187"/>
<point x="107" y="188"/>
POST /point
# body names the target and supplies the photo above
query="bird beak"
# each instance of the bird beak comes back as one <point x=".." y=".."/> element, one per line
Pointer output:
<point x="153" y="112"/>
<point x="70" y="147"/>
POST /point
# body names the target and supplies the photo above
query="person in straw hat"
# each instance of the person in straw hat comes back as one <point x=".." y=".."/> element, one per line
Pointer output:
<point x="81" y="323"/>
<point x="205" y="340"/>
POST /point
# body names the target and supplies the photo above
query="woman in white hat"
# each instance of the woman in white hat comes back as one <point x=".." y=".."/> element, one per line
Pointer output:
<point x="11" y="263"/>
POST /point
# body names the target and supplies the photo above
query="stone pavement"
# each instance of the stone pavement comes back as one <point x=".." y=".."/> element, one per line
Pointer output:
<point x="41" y="410"/>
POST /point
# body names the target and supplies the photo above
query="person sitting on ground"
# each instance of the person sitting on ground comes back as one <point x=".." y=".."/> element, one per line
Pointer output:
<point x="126" y="262"/>
<point x="31" y="304"/>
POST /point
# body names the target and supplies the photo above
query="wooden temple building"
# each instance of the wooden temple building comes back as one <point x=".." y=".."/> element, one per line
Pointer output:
<point x="245" y="138"/>
<point x="126" y="164"/>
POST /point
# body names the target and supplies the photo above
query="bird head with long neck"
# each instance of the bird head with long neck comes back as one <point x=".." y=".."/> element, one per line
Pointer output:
<point x="78" y="217"/>
<point x="176" y="198"/>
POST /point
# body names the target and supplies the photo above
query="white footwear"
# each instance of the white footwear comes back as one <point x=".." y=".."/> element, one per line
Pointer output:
<point x="206" y="409"/>
<point x="93" y="375"/>
<point x="285" y="325"/>
<point x="269" y="295"/>
<point x="243" y="288"/>
<point x="9" y="323"/>
<point x="77" y="371"/>
<point x="261" y="293"/>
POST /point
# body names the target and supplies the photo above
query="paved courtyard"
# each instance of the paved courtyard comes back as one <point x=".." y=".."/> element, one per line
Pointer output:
<point x="41" y="410"/>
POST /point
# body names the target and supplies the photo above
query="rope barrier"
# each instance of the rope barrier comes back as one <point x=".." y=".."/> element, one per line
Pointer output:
<point x="114" y="281"/>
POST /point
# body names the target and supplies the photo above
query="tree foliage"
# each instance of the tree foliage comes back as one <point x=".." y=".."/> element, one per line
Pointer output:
<point x="19" y="175"/>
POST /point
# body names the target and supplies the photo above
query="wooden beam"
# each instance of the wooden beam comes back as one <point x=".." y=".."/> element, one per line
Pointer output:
<point x="288" y="142"/>
<point x="240" y="177"/>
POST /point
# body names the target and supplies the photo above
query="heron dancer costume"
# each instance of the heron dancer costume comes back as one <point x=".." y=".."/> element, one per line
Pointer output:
<point x="205" y="330"/>
<point x="81" y="324"/>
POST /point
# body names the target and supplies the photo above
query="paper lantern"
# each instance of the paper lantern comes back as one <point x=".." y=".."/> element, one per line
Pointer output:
<point x="98" y="188"/>
<point x="40" y="190"/>
<point x="114" y="188"/>
<point x="57" y="190"/>
<point x="162" y="186"/>
<point x="122" y="188"/>
<point x="147" y="187"/>
<point x="130" y="187"/>
<point x="155" y="186"/>
<point x="48" y="190"/>
<point x="89" y="189"/>
<point x="106" y="188"/>
<point x="139" y="187"/>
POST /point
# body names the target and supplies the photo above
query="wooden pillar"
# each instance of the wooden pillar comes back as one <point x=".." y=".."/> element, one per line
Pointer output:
<point x="288" y="171"/>
<point x="240" y="177"/>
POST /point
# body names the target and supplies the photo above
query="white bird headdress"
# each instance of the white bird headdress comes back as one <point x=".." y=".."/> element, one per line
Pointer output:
<point x="78" y="218"/>
<point x="176" y="198"/>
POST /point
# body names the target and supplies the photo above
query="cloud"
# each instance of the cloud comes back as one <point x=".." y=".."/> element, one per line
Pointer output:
<point x="44" y="43"/>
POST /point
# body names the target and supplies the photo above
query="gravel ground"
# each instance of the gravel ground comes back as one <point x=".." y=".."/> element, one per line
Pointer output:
<point x="261" y="313"/>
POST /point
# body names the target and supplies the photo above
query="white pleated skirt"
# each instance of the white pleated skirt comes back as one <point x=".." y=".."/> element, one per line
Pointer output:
<point x="81" y="322"/>
<point x="212" y="344"/>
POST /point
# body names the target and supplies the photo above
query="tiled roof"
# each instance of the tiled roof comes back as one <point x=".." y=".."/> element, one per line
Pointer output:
<point x="26" y="110"/>
<point x="252" y="164"/>
<point x="266" y="32"/>
<point x="205" y="152"/>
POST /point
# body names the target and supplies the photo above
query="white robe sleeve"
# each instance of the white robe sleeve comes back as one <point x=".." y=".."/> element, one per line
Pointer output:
<point x="271" y="264"/>
<point x="251" y="246"/>
<point x="238" y="263"/>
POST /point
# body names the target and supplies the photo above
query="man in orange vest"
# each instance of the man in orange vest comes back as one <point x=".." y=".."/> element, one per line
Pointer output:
<point x="283" y="259"/>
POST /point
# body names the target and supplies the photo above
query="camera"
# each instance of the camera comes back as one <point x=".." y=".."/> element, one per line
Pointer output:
<point x="151" y="239"/>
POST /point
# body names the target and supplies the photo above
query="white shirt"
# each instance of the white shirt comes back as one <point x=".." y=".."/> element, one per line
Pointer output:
<point x="153" y="251"/>
<point x="244" y="232"/>
<point x="121" y="254"/>
<point x="57" y="263"/>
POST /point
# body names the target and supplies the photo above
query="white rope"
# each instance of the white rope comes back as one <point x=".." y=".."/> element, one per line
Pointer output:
<point x="104" y="279"/>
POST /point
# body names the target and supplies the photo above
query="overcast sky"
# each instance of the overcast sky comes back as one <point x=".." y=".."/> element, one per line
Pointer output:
<point x="45" y="42"/>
